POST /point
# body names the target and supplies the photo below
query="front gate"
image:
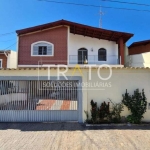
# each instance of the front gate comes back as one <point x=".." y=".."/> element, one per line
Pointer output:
<point x="38" y="101"/>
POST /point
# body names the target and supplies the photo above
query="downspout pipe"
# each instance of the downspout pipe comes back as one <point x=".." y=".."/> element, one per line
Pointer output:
<point x="5" y="54"/>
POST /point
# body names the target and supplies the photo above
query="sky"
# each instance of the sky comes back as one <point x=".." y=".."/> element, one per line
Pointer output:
<point x="19" y="14"/>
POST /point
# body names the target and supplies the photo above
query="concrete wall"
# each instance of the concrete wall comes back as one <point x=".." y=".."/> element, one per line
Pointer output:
<point x="139" y="60"/>
<point x="12" y="60"/>
<point x="79" y="41"/>
<point x="121" y="80"/>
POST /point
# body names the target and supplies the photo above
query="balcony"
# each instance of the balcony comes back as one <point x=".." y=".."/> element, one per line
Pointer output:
<point x="93" y="60"/>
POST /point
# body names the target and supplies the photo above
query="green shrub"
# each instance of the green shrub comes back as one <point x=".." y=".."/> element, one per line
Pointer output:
<point x="136" y="104"/>
<point x="115" y="115"/>
<point x="103" y="113"/>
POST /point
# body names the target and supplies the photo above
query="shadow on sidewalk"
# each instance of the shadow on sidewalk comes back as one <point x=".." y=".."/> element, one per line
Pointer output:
<point x="65" y="126"/>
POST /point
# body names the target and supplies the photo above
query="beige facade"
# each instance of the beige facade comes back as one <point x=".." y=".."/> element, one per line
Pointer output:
<point x="100" y="90"/>
<point x="12" y="59"/>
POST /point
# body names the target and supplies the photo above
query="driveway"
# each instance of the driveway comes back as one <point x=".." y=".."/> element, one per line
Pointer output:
<point x="63" y="136"/>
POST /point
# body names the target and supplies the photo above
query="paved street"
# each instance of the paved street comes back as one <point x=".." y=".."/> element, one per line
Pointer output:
<point x="63" y="136"/>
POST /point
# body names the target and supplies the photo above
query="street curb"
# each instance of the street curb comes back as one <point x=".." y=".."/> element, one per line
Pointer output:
<point x="115" y="125"/>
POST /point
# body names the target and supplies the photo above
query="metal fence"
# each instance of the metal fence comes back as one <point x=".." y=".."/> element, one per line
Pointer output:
<point x="43" y="99"/>
<point x="93" y="59"/>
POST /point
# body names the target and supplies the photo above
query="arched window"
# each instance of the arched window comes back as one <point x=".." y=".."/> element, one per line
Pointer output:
<point x="102" y="55"/>
<point x="82" y="56"/>
<point x="42" y="48"/>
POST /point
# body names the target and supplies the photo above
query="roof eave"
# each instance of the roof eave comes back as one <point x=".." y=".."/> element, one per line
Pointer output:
<point x="126" y="36"/>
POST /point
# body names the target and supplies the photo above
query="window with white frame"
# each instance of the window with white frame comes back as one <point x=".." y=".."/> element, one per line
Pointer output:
<point x="42" y="48"/>
<point x="0" y="63"/>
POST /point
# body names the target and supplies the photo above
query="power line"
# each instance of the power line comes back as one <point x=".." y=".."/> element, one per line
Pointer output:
<point x="131" y="3"/>
<point x="8" y="40"/>
<point x="9" y="46"/>
<point x="77" y="4"/>
<point x="6" y="34"/>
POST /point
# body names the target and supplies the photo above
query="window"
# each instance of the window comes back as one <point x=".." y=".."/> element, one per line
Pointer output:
<point x="42" y="48"/>
<point x="102" y="54"/>
<point x="0" y="63"/>
<point x="82" y="56"/>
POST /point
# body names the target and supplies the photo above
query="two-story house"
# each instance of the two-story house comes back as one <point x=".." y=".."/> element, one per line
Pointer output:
<point x="69" y="43"/>
<point x="34" y="90"/>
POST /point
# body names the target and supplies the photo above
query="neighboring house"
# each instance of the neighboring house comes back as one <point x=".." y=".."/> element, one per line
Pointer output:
<point x="69" y="43"/>
<point x="139" y="54"/>
<point x="8" y="59"/>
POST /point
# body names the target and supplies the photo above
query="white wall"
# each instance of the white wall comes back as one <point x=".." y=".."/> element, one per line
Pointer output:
<point x="139" y="60"/>
<point x="79" y="41"/>
<point x="12" y="60"/>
